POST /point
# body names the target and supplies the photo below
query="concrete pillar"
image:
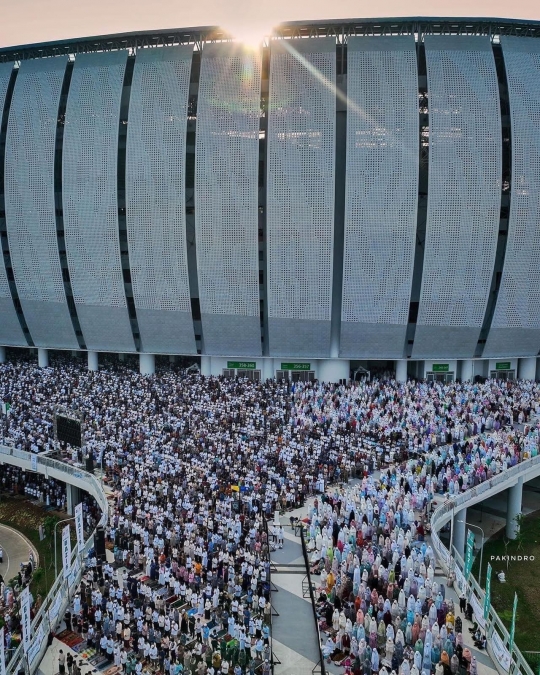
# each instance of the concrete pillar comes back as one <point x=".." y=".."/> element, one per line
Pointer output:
<point x="459" y="529"/>
<point x="147" y="364"/>
<point x="2" y="354"/>
<point x="206" y="366"/>
<point x="513" y="509"/>
<point x="172" y="358"/>
<point x="401" y="370"/>
<point x="467" y="370"/>
<point x="93" y="363"/>
<point x="268" y="369"/>
<point x="333" y="370"/>
<point x="121" y="357"/>
<point x="43" y="358"/>
<point x="527" y="369"/>
<point x="72" y="498"/>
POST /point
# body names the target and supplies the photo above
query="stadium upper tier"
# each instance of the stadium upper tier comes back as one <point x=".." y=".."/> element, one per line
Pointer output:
<point x="354" y="189"/>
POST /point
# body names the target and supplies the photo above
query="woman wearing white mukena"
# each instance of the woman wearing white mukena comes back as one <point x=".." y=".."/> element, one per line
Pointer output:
<point x="1" y="555"/>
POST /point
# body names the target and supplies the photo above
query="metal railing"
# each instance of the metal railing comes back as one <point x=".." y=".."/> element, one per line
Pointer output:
<point x="320" y="667"/>
<point x="495" y="630"/>
<point x="63" y="589"/>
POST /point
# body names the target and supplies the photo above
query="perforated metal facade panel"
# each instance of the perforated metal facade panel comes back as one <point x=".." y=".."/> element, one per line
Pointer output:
<point x="464" y="195"/>
<point x="226" y="199"/>
<point x="89" y="175"/>
<point x="10" y="328"/>
<point x="30" y="205"/>
<point x="381" y="195"/>
<point x="300" y="195"/>
<point x="515" y="329"/>
<point x="155" y="199"/>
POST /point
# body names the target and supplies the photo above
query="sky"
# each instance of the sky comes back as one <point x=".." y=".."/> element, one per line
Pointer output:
<point x="30" y="21"/>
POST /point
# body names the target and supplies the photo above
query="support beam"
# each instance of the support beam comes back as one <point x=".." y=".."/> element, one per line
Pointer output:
<point x="43" y="358"/>
<point x="93" y="363"/>
<point x="467" y="370"/>
<point x="401" y="370"/>
<point x="527" y="369"/>
<point x="121" y="356"/>
<point x="460" y="531"/>
<point x="2" y="354"/>
<point x="73" y="497"/>
<point x="513" y="509"/>
<point x="206" y="366"/>
<point x="147" y="364"/>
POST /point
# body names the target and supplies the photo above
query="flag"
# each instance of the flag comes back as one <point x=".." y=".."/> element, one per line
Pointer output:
<point x="6" y="407"/>
<point x="513" y="626"/>
<point x="487" y="596"/>
<point x="235" y="488"/>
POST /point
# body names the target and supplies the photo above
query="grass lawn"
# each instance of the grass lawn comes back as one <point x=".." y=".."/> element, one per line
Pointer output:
<point x="521" y="577"/>
<point x="21" y="515"/>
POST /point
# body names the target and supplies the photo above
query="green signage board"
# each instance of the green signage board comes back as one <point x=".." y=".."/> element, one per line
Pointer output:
<point x="487" y="596"/>
<point x="469" y="555"/>
<point x="242" y="365"/>
<point x="513" y="625"/>
<point x="503" y="365"/>
<point x="296" y="366"/>
<point x="440" y="368"/>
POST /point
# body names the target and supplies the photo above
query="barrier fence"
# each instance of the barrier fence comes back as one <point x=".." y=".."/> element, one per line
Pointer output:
<point x="320" y="667"/>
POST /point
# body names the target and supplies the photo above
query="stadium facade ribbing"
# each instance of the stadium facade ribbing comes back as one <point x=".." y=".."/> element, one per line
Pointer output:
<point x="352" y="191"/>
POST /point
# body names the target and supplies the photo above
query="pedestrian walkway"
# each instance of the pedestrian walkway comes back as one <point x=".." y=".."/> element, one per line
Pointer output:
<point x="16" y="548"/>
<point x="294" y="632"/>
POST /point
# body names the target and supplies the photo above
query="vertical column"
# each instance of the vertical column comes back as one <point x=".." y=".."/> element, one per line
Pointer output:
<point x="268" y="369"/>
<point x="460" y="530"/>
<point x="527" y="368"/>
<point x="93" y="363"/>
<point x="2" y="354"/>
<point x="43" y="358"/>
<point x="467" y="370"/>
<point x="401" y="370"/>
<point x="73" y="498"/>
<point x="206" y="366"/>
<point x="513" y="509"/>
<point x="147" y="364"/>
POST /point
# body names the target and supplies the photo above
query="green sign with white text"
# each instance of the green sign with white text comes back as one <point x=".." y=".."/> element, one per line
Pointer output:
<point x="469" y="555"/>
<point x="242" y="365"/>
<point x="296" y="366"/>
<point x="487" y="597"/>
<point x="440" y="368"/>
<point x="503" y="365"/>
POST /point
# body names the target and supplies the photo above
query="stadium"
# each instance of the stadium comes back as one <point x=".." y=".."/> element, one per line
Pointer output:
<point x="285" y="303"/>
<point x="352" y="195"/>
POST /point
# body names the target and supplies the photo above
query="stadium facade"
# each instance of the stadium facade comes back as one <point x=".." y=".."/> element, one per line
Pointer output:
<point x="353" y="191"/>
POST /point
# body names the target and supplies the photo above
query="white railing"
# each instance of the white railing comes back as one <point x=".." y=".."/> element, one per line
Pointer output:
<point x="494" y="627"/>
<point x="55" y="604"/>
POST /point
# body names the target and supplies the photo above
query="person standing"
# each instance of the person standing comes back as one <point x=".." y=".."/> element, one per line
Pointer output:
<point x="61" y="662"/>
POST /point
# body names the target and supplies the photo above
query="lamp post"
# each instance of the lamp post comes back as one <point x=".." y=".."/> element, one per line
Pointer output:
<point x="55" y="549"/>
<point x="481" y="548"/>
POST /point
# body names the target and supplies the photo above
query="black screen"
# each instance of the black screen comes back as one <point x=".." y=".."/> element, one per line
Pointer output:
<point x="68" y="430"/>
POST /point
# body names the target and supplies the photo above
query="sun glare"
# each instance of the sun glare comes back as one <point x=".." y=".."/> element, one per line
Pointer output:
<point x="250" y="35"/>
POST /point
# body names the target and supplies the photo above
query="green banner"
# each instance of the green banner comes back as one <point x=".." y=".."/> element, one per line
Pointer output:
<point x="487" y="596"/>
<point x="513" y="626"/>
<point x="440" y="368"/>
<point x="469" y="555"/>
<point x="503" y="365"/>
<point x="296" y="366"/>
<point x="242" y="365"/>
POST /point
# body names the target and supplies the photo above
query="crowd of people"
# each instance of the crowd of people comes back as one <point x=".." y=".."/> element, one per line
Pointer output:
<point x="380" y="605"/>
<point x="198" y="464"/>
